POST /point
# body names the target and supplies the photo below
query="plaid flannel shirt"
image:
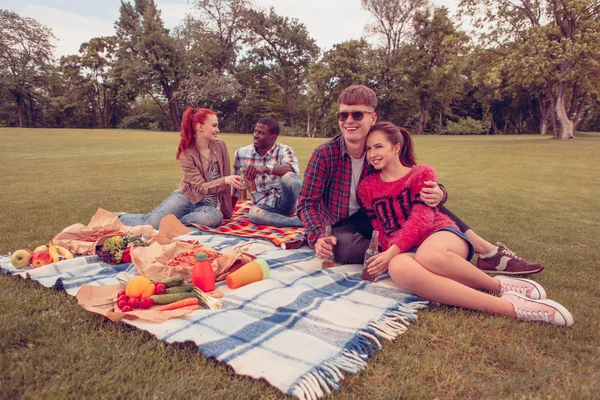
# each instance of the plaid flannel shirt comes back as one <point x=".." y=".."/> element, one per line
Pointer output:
<point x="325" y="195"/>
<point x="268" y="187"/>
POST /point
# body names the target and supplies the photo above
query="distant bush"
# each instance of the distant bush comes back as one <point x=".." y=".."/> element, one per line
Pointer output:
<point x="297" y="131"/>
<point x="465" y="126"/>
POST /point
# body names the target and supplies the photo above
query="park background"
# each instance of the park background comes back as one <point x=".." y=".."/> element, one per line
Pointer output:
<point x="510" y="183"/>
<point x="487" y="67"/>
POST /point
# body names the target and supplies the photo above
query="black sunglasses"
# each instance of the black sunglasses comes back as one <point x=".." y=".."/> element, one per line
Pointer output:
<point x="356" y="115"/>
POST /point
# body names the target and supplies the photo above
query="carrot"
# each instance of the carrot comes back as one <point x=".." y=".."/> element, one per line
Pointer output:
<point x="178" y="304"/>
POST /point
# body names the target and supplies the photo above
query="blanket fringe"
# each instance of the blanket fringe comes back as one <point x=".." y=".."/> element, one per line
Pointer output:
<point x="321" y="380"/>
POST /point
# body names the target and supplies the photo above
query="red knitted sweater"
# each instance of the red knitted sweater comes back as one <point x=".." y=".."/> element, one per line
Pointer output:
<point x="397" y="211"/>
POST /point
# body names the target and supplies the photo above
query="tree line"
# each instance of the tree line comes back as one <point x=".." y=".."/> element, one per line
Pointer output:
<point x="535" y="68"/>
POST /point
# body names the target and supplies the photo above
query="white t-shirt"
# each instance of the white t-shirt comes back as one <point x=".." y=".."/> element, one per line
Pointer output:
<point x="357" y="168"/>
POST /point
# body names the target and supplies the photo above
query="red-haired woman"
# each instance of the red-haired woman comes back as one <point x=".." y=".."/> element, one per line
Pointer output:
<point x="423" y="250"/>
<point x="204" y="193"/>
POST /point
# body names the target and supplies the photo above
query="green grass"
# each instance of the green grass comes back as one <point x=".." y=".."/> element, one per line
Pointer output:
<point x="539" y="196"/>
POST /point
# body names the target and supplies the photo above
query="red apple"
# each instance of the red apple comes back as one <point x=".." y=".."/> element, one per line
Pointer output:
<point x="21" y="258"/>
<point x="41" y="258"/>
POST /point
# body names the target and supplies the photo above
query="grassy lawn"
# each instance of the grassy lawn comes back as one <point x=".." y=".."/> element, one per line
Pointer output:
<point x="539" y="196"/>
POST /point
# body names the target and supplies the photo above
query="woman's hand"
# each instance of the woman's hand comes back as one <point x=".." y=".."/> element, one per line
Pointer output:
<point x="234" y="180"/>
<point x="432" y="195"/>
<point x="378" y="264"/>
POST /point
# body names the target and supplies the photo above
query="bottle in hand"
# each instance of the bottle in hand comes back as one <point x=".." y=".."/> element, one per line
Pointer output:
<point x="371" y="251"/>
<point x="329" y="261"/>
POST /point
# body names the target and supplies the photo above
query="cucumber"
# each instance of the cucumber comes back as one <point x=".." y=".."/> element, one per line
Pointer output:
<point x="180" y="289"/>
<point x="171" y="298"/>
<point x="172" y="281"/>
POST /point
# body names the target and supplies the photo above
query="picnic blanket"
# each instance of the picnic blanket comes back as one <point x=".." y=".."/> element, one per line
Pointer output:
<point x="286" y="238"/>
<point x="301" y="330"/>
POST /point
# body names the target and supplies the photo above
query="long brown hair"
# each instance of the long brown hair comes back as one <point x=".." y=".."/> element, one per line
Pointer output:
<point x="191" y="117"/>
<point x="398" y="135"/>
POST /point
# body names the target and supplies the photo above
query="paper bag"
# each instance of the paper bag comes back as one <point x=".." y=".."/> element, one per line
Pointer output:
<point x="83" y="239"/>
<point x="92" y="299"/>
<point x="152" y="261"/>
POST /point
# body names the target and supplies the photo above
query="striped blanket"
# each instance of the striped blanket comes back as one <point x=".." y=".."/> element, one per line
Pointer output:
<point x="239" y="225"/>
<point x="301" y="330"/>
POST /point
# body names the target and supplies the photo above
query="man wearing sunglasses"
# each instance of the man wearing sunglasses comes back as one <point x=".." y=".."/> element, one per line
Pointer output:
<point x="328" y="195"/>
<point x="271" y="170"/>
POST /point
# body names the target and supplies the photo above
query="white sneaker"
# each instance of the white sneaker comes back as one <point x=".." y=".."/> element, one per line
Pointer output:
<point x="539" y="310"/>
<point x="525" y="287"/>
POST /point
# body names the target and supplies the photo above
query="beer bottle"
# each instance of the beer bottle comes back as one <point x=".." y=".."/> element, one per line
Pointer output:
<point x="371" y="251"/>
<point x="329" y="261"/>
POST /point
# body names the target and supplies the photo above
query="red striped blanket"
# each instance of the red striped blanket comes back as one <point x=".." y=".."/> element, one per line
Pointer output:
<point x="239" y="225"/>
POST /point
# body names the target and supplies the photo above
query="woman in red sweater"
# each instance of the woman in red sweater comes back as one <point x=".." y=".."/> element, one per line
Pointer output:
<point x="423" y="250"/>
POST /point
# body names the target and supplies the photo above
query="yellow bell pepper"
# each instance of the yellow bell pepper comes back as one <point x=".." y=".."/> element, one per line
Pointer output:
<point x="139" y="286"/>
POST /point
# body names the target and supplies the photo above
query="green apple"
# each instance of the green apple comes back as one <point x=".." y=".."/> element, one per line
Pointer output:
<point x="21" y="258"/>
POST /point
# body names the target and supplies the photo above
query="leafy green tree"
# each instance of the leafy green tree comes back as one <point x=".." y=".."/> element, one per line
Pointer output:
<point x="89" y="74"/>
<point x="284" y="51"/>
<point x="25" y="57"/>
<point x="150" y="58"/>
<point x="435" y="61"/>
<point x="556" y="42"/>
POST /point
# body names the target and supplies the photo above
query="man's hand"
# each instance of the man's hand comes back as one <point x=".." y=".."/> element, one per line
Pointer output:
<point x="324" y="246"/>
<point x="253" y="170"/>
<point x="432" y="195"/>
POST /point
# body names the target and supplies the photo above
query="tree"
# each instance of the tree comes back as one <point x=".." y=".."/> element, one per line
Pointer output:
<point x="150" y="59"/>
<point x="25" y="56"/>
<point x="89" y="74"/>
<point x="435" y="61"/>
<point x="284" y="50"/>
<point x="393" y="20"/>
<point x="555" y="41"/>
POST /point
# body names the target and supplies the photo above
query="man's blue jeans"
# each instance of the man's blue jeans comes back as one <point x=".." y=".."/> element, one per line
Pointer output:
<point x="279" y="216"/>
<point x="178" y="205"/>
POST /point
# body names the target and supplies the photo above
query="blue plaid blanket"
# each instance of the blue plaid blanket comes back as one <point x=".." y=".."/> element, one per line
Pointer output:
<point x="301" y="330"/>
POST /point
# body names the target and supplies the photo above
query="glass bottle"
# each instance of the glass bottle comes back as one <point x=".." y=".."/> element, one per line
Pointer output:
<point x="329" y="261"/>
<point x="203" y="275"/>
<point x="371" y="251"/>
<point x="243" y="193"/>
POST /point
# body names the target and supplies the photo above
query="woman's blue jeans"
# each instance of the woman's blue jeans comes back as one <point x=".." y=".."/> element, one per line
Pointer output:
<point x="178" y="205"/>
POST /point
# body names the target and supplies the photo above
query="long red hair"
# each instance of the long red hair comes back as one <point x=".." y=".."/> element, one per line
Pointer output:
<point x="191" y="117"/>
<point x="398" y="135"/>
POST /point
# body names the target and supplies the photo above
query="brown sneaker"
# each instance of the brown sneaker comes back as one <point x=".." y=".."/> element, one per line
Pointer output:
<point x="506" y="262"/>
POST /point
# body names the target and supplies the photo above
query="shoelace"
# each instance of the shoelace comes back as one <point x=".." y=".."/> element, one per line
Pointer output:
<point x="505" y="287"/>
<point x="508" y="251"/>
<point x="533" y="315"/>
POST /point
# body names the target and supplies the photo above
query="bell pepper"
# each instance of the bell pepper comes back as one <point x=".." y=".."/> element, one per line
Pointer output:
<point x="139" y="286"/>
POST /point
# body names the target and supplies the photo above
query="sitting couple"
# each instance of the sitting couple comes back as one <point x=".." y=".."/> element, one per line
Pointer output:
<point x="425" y="248"/>
<point x="204" y="195"/>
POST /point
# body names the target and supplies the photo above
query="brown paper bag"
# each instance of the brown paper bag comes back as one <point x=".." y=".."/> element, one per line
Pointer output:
<point x="83" y="239"/>
<point x="152" y="261"/>
<point x="92" y="297"/>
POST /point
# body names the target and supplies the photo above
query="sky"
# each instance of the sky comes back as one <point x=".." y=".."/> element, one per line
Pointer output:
<point x="77" y="21"/>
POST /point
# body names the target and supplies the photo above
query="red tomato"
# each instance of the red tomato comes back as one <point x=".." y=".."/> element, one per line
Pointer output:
<point x="123" y="298"/>
<point x="159" y="288"/>
<point x="121" y="304"/>
<point x="121" y="293"/>
<point x="146" y="303"/>
<point x="134" y="302"/>
<point x="127" y="308"/>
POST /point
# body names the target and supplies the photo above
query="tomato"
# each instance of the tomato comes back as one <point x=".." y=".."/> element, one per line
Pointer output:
<point x="121" y="293"/>
<point x="146" y="303"/>
<point x="134" y="302"/>
<point x="122" y="298"/>
<point x="127" y="308"/>
<point x="121" y="304"/>
<point x="159" y="288"/>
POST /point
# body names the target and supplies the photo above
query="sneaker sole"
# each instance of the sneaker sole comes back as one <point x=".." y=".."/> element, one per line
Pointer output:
<point x="495" y="272"/>
<point x="566" y="315"/>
